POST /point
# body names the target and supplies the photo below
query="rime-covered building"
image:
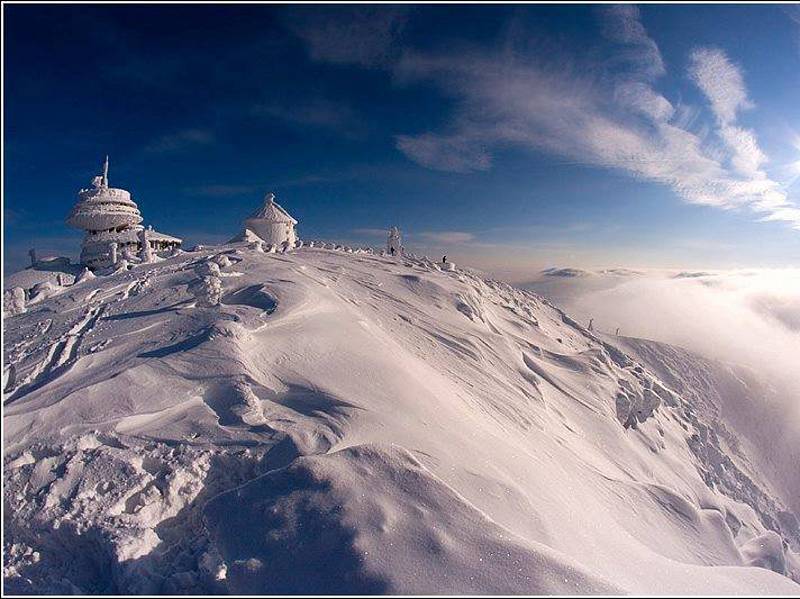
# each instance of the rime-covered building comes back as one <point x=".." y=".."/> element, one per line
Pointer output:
<point x="272" y="223"/>
<point x="112" y="222"/>
<point x="394" y="243"/>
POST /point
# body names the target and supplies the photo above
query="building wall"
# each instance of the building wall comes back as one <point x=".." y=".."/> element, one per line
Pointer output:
<point x="273" y="233"/>
<point x="97" y="255"/>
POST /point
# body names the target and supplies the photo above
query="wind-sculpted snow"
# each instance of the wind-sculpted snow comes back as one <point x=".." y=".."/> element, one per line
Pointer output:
<point x="236" y="421"/>
<point x="717" y="403"/>
<point x="381" y="522"/>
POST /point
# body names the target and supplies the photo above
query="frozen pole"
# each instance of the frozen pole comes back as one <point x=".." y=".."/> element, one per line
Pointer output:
<point x="105" y="172"/>
<point x="146" y="251"/>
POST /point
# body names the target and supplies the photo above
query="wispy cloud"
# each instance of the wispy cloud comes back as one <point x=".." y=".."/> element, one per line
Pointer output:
<point x="446" y="237"/>
<point x="317" y="112"/>
<point x="721" y="81"/>
<point x="456" y="153"/>
<point x="793" y="12"/>
<point x="723" y="84"/>
<point x="371" y="232"/>
<point x="637" y="50"/>
<point x="181" y="140"/>
<point x="643" y="100"/>
<point x="512" y="99"/>
<point x="361" y="35"/>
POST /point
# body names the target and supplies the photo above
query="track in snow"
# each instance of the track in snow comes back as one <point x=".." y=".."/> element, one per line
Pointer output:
<point x="61" y="355"/>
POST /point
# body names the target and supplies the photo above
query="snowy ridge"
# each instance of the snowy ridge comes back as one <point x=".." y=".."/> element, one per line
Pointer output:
<point x="346" y="422"/>
<point x="736" y="439"/>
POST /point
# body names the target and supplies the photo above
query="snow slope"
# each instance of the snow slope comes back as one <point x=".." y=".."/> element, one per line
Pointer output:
<point x="349" y="423"/>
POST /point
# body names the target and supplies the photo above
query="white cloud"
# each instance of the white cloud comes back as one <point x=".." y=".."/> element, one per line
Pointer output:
<point x="447" y="237"/>
<point x="620" y="122"/>
<point x="623" y="26"/>
<point x="721" y="81"/>
<point x="791" y="215"/>
<point x="747" y="157"/>
<point x="457" y="153"/>
<point x="644" y="100"/>
<point x="523" y="104"/>
<point x="723" y="85"/>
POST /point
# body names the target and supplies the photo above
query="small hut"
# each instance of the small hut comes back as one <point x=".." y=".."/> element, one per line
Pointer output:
<point x="272" y="224"/>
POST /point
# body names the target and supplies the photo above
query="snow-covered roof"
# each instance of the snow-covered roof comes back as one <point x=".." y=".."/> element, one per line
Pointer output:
<point x="41" y="273"/>
<point x="245" y="235"/>
<point x="272" y="212"/>
<point x="151" y="234"/>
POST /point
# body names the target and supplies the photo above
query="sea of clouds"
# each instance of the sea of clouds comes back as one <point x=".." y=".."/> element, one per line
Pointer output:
<point x="745" y="317"/>
<point x="751" y="317"/>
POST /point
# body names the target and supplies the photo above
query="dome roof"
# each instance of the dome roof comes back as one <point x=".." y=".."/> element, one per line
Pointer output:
<point x="102" y="207"/>
<point x="272" y="212"/>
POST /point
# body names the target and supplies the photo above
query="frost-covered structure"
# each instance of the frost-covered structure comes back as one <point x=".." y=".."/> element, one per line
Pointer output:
<point x="394" y="244"/>
<point x="272" y="224"/>
<point x="109" y="216"/>
<point x="207" y="289"/>
<point x="14" y="301"/>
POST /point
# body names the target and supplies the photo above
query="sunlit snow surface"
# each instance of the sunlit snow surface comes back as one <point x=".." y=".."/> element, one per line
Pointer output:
<point x="349" y="423"/>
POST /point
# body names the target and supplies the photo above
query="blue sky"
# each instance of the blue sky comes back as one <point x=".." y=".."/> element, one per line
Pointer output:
<point x="509" y="137"/>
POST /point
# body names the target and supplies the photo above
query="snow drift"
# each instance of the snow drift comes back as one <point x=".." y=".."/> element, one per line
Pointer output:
<point x="746" y="317"/>
<point x="332" y="422"/>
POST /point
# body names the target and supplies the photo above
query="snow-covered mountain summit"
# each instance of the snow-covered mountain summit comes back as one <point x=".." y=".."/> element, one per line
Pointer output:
<point x="317" y="421"/>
